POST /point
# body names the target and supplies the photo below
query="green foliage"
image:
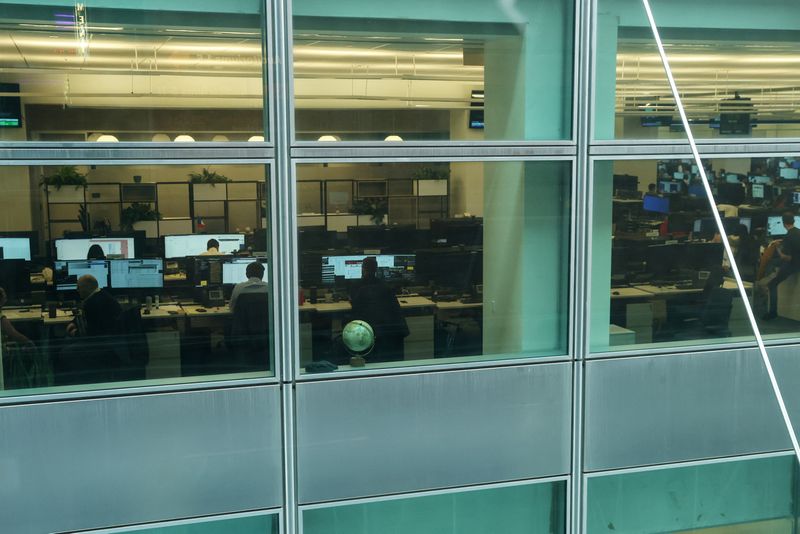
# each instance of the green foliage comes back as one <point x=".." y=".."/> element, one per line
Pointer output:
<point x="84" y="218"/>
<point x="137" y="212"/>
<point x="208" y="177"/>
<point x="65" y="176"/>
<point x="432" y="173"/>
<point x="375" y="207"/>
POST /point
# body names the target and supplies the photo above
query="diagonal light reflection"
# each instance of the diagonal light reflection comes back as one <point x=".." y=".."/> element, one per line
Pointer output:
<point x="713" y="205"/>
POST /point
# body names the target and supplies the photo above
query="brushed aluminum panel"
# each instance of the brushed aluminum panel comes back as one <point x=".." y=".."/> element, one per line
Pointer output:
<point x="376" y="436"/>
<point x="674" y="408"/>
<point x="103" y="462"/>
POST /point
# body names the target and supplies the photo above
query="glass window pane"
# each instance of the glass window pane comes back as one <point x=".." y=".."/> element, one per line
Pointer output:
<point x="438" y="276"/>
<point x="753" y="495"/>
<point x="260" y="524"/>
<point x="657" y="252"/>
<point x="414" y="71"/>
<point x="733" y="66"/>
<point x="131" y="71"/>
<point x="174" y="303"/>
<point x="510" y="510"/>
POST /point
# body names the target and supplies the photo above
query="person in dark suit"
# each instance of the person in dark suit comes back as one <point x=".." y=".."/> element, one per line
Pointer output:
<point x="100" y="310"/>
<point x="374" y="301"/>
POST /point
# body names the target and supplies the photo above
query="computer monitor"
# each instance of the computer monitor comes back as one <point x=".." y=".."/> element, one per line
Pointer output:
<point x="757" y="191"/>
<point x="15" y="278"/>
<point x="748" y="222"/>
<point x="467" y="231"/>
<point x="205" y="270"/>
<point x="77" y="249"/>
<point x="730" y="193"/>
<point x="66" y="273"/>
<point x="137" y="274"/>
<point x="697" y="190"/>
<point x="314" y="238"/>
<point x="704" y="228"/>
<point x="625" y="182"/>
<point x="732" y="178"/>
<point x="662" y="260"/>
<point x="234" y="270"/>
<point x="15" y="248"/>
<point x="795" y="197"/>
<point x="760" y="179"/>
<point x="788" y="173"/>
<point x="183" y="246"/>
<point x="655" y="204"/>
<point x="775" y="225"/>
<point x="456" y="268"/>
<point x="391" y="267"/>
<point x="669" y="187"/>
<point x="701" y="256"/>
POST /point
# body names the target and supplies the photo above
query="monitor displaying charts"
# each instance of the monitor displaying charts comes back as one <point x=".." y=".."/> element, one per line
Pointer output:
<point x="15" y="248"/>
<point x="66" y="273"/>
<point x="137" y="274"/>
<point x="390" y="267"/>
<point x="78" y="249"/>
<point x="182" y="246"/>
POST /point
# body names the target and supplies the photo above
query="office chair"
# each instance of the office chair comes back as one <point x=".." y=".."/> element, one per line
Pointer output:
<point x="248" y="339"/>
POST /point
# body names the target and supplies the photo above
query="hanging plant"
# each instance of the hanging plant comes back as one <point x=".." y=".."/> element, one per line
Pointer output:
<point x="137" y="212"/>
<point x="208" y="177"/>
<point x="376" y="207"/>
<point x="64" y="176"/>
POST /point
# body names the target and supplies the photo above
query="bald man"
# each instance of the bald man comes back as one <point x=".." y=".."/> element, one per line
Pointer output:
<point x="100" y="309"/>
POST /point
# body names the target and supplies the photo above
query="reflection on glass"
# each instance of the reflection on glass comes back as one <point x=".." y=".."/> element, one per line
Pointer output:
<point x="746" y="496"/>
<point x="665" y="269"/>
<point x="510" y="510"/>
<point x="443" y="261"/>
<point x="104" y="287"/>
<point x="137" y="71"/>
<point x="733" y="65"/>
<point x="408" y="72"/>
<point x="263" y="524"/>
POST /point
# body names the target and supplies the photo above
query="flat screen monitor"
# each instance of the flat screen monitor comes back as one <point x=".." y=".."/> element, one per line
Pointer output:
<point x="796" y="197"/>
<point x="391" y="267"/>
<point x="15" y="248"/>
<point x="748" y="222"/>
<point x="234" y="270"/>
<point x="10" y="106"/>
<point x="77" y="249"/>
<point x="758" y="191"/>
<point x="655" y="204"/>
<point x="733" y="194"/>
<point x="66" y="273"/>
<point x="760" y="179"/>
<point x="775" y="225"/>
<point x="182" y="246"/>
<point x="15" y="278"/>
<point x="137" y="274"/>
<point x="205" y="270"/>
<point x="665" y="186"/>
<point x="732" y="178"/>
<point x="677" y="175"/>
<point x="788" y="173"/>
<point x="697" y="190"/>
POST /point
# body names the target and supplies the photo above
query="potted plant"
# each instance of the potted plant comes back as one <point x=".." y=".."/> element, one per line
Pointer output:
<point x="376" y="207"/>
<point x="66" y="185"/>
<point x="205" y="183"/>
<point x="140" y="216"/>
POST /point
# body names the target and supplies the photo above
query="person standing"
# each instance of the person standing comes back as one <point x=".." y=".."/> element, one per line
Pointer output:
<point x="789" y="253"/>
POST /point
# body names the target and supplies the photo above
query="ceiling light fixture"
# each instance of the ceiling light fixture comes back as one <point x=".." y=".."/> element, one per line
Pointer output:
<point x="161" y="138"/>
<point x="256" y="139"/>
<point x="106" y="138"/>
<point x="183" y="138"/>
<point x="395" y="138"/>
<point x="329" y="138"/>
<point x="219" y="138"/>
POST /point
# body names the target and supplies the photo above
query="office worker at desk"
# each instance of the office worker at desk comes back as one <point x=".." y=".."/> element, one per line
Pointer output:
<point x="212" y="248"/>
<point x="100" y="310"/>
<point x="255" y="284"/>
<point x="95" y="252"/>
<point x="374" y="301"/>
<point x="789" y="252"/>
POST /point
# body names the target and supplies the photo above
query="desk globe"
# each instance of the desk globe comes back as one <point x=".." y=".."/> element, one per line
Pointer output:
<point x="359" y="339"/>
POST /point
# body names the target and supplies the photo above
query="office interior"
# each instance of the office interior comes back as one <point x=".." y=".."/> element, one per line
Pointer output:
<point x="666" y="271"/>
<point x="153" y="224"/>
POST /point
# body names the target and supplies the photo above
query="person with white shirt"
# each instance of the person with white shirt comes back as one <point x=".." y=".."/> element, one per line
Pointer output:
<point x="254" y="283"/>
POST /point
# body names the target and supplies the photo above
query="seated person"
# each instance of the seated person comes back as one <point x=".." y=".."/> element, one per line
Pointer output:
<point x="254" y="283"/>
<point x="95" y="252"/>
<point x="10" y="333"/>
<point x="789" y="253"/>
<point x="374" y="302"/>
<point x="100" y="310"/>
<point x="212" y="248"/>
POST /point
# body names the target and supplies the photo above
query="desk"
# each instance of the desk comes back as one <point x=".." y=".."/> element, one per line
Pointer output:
<point x="625" y="293"/>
